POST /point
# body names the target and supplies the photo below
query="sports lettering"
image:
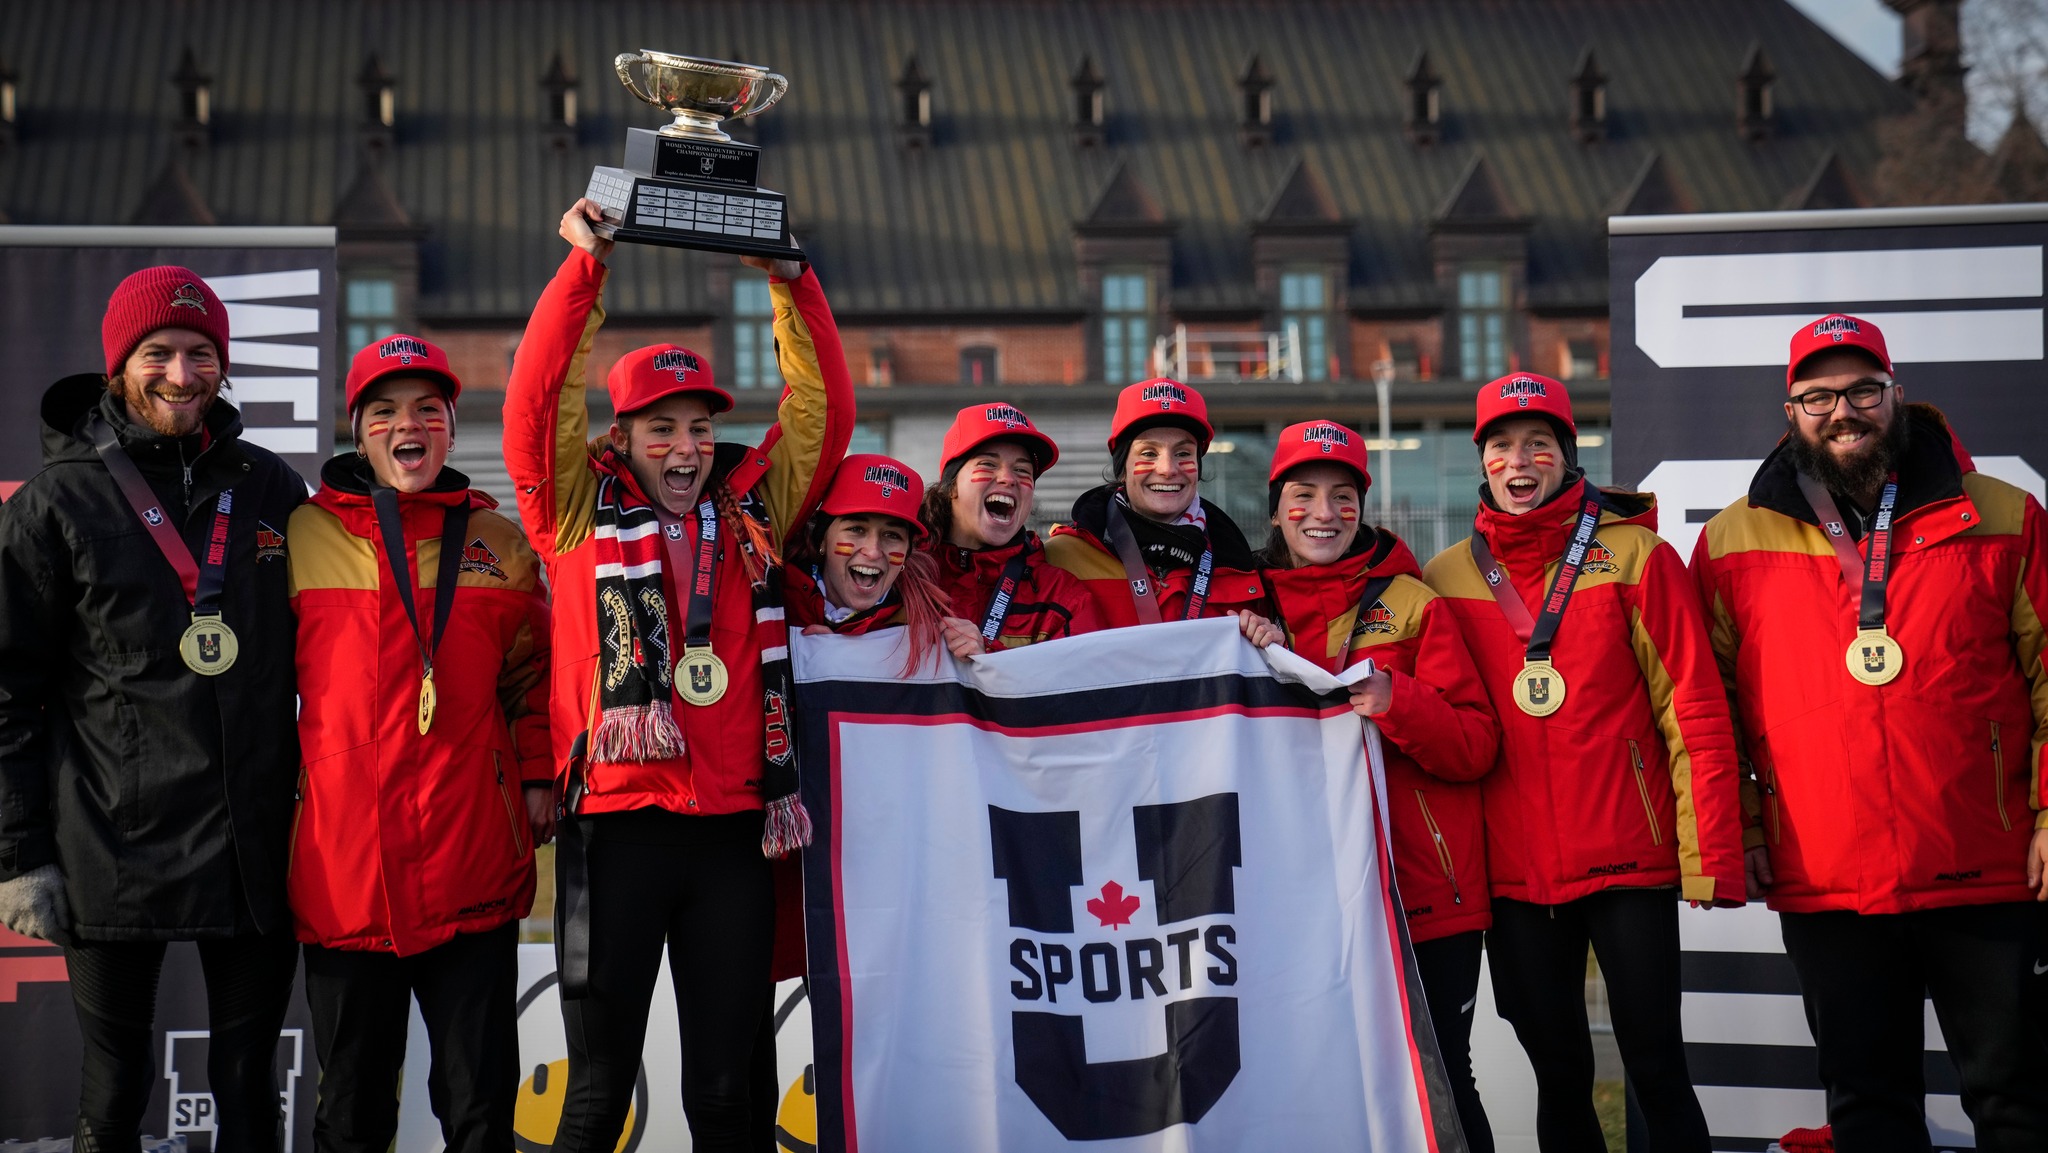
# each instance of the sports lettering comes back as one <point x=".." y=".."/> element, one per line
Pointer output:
<point x="1331" y="436"/>
<point x="1838" y="327"/>
<point x="1166" y="392"/>
<point x="1523" y="387"/>
<point x="678" y="361"/>
<point x="404" y="348"/>
<point x="889" y="477"/>
<point x="1005" y="414"/>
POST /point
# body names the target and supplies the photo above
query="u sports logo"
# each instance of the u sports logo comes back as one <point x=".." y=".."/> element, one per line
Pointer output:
<point x="1331" y="437"/>
<point x="1166" y="393"/>
<point x="1837" y="327"/>
<point x="888" y="477"/>
<point x="1539" y="688"/>
<point x="1875" y="658"/>
<point x="1378" y="619"/>
<point x="1521" y="388"/>
<point x="405" y="348"/>
<point x="677" y="361"/>
<point x="1190" y="852"/>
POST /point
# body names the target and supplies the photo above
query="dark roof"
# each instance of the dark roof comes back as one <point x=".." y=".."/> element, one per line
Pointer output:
<point x="982" y="219"/>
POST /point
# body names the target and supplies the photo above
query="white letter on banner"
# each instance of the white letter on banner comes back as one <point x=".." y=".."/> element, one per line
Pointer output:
<point x="1822" y="280"/>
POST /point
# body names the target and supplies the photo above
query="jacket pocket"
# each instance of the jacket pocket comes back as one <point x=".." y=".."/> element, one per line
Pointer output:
<point x="1635" y="760"/>
<point x="511" y="810"/>
<point x="1998" y="778"/>
<point x="1443" y="848"/>
<point x="1769" y="784"/>
<point x="291" y="849"/>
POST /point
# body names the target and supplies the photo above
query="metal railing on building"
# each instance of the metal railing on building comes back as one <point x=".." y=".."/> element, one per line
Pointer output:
<point x="1229" y="355"/>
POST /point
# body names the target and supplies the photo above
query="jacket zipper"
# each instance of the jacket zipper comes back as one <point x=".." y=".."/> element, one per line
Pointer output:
<point x="1998" y="775"/>
<point x="1635" y="756"/>
<point x="511" y="815"/>
<point x="187" y="466"/>
<point x="1443" y="849"/>
<point x="291" y="852"/>
<point x="1770" y="787"/>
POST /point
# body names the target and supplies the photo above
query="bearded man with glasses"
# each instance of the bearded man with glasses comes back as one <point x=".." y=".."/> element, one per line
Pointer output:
<point x="1876" y="607"/>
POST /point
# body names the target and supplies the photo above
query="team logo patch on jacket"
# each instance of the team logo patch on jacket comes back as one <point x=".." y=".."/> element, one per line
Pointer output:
<point x="269" y="542"/>
<point x="1599" y="559"/>
<point x="478" y="558"/>
<point x="1378" y="619"/>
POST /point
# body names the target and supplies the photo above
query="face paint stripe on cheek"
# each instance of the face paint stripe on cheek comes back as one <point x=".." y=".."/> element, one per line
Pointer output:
<point x="1348" y="513"/>
<point x="377" y="428"/>
<point x="1543" y="458"/>
<point x="1496" y="465"/>
<point x="897" y="558"/>
<point x="843" y="548"/>
<point x="1297" y="514"/>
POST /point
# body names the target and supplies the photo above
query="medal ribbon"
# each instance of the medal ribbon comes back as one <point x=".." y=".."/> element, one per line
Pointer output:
<point x="203" y="583"/>
<point x="1144" y="588"/>
<point x="1537" y="634"/>
<point x="999" y="605"/>
<point x="1868" y="575"/>
<point x="696" y="599"/>
<point x="454" y="526"/>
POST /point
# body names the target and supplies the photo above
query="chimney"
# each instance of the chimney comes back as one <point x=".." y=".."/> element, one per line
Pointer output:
<point x="560" y="86"/>
<point x="1087" y="85"/>
<point x="1255" y="103"/>
<point x="1753" y="94"/>
<point x="1589" y="99"/>
<point x="914" y="114"/>
<point x="1425" y="102"/>
<point x="195" y="100"/>
<point x="1931" y="57"/>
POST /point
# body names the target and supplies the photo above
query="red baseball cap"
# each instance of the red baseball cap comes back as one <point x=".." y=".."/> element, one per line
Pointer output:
<point x="872" y="483"/>
<point x="977" y="424"/>
<point x="397" y="355"/>
<point x="1320" y="442"/>
<point x="645" y="375"/>
<point x="1835" y="330"/>
<point x="1160" y="401"/>
<point x="1523" y="394"/>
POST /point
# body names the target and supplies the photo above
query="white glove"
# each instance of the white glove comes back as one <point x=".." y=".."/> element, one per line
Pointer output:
<point x="33" y="905"/>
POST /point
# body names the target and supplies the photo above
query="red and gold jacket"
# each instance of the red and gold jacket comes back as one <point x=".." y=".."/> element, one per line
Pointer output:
<point x="1632" y="782"/>
<point x="402" y="840"/>
<point x="1081" y="549"/>
<point x="1916" y="794"/>
<point x="1048" y="603"/>
<point x="1440" y="733"/>
<point x="555" y="470"/>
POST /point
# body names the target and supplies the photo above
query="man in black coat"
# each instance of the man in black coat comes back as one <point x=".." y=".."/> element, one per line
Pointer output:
<point x="148" y="741"/>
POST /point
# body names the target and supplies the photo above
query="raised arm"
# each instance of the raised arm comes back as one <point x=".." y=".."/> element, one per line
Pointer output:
<point x="814" y="422"/>
<point x="546" y="423"/>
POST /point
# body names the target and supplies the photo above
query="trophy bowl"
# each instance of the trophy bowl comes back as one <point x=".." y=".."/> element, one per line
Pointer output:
<point x="700" y="92"/>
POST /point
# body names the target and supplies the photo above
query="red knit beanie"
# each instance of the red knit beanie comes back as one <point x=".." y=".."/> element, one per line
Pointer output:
<point x="166" y="296"/>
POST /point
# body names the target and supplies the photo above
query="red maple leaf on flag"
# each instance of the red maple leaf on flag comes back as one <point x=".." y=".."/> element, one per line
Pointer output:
<point x="1113" y="908"/>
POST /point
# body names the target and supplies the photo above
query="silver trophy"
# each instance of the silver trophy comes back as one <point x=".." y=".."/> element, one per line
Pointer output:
<point x="688" y="184"/>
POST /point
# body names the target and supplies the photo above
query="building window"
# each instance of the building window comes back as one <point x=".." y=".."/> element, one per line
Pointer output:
<point x="978" y="364"/>
<point x="372" y="311"/>
<point x="1407" y="358"/>
<point x="753" y="335"/>
<point x="1581" y="360"/>
<point x="1305" y="318"/>
<point x="1482" y="323"/>
<point x="1126" y="326"/>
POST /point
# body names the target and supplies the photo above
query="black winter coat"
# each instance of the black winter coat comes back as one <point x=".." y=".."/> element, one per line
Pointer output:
<point x="164" y="796"/>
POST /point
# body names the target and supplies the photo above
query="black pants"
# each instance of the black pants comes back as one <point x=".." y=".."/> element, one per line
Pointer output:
<point x="1864" y="979"/>
<point x="700" y="886"/>
<point x="1449" y="968"/>
<point x="113" y="987"/>
<point x="362" y="1001"/>
<point x="1538" y="955"/>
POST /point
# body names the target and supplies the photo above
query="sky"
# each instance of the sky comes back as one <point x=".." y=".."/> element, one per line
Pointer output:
<point x="1869" y="28"/>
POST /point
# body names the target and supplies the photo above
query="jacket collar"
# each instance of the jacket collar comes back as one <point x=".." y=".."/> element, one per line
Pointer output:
<point x="1091" y="515"/>
<point x="1533" y="540"/>
<point x="1931" y="473"/>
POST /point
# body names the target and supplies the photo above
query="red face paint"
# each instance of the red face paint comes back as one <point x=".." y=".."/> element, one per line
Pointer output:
<point x="659" y="449"/>
<point x="1543" y="458"/>
<point x="897" y="558"/>
<point x="843" y="548"/>
<point x="435" y="424"/>
<point x="982" y="474"/>
<point x="377" y="428"/>
<point x="1346" y="512"/>
<point x="1297" y="514"/>
<point x="1496" y="466"/>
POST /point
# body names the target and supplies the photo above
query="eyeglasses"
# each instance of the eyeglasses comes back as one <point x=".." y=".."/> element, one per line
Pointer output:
<point x="1862" y="394"/>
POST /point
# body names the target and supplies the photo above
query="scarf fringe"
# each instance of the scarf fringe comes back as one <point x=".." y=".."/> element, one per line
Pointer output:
<point x="788" y="828"/>
<point x="636" y="733"/>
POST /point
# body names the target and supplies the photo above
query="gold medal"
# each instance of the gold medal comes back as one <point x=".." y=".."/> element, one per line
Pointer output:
<point x="1539" y="688"/>
<point x="1874" y="657"/>
<point x="700" y="676"/>
<point x="428" y="700"/>
<point x="208" y="646"/>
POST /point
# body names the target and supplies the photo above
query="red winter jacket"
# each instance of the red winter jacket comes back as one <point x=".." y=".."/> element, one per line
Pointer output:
<point x="1633" y="781"/>
<point x="401" y="840"/>
<point x="1440" y="735"/>
<point x="1917" y="794"/>
<point x="1048" y="604"/>
<point x="1081" y="549"/>
<point x="556" y="475"/>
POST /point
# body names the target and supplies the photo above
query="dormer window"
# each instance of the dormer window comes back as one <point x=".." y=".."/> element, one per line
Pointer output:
<point x="1753" y="94"/>
<point x="1425" y="104"/>
<point x="1589" y="100"/>
<point x="560" y="85"/>
<point x="1088" y="104"/>
<point x="914" y="113"/>
<point x="1255" y="102"/>
<point x="195" y="92"/>
<point x="380" y="106"/>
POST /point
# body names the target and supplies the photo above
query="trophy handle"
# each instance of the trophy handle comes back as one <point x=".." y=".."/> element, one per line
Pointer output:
<point x="623" y="65"/>
<point x="773" y="85"/>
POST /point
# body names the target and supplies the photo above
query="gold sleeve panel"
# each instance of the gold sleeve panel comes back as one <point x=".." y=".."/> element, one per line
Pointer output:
<point x="1077" y="557"/>
<point x="575" y="483"/>
<point x="1403" y="601"/>
<point x="1664" y="708"/>
<point x="504" y="550"/>
<point x="1453" y="573"/>
<point x="1740" y="528"/>
<point x="793" y="459"/>
<point x="2001" y="508"/>
<point x="324" y="555"/>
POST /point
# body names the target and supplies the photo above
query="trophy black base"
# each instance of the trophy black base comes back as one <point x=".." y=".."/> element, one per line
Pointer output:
<point x="680" y="213"/>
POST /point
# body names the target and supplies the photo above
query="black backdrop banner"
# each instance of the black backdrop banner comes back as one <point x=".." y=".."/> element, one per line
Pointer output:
<point x="280" y="290"/>
<point x="1704" y="306"/>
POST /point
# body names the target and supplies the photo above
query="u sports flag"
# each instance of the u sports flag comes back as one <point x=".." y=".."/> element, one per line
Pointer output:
<point x="1100" y="894"/>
